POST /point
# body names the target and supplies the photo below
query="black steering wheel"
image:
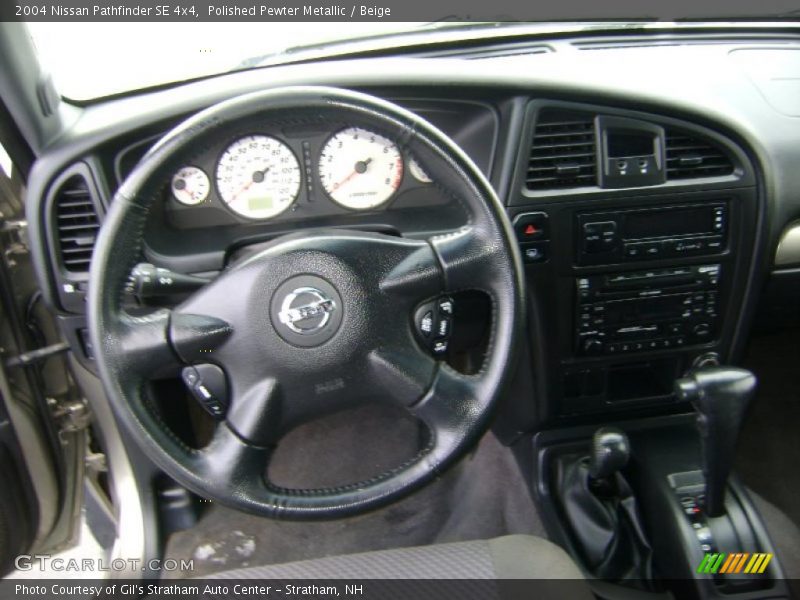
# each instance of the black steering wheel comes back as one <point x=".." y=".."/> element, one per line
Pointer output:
<point x="351" y="339"/>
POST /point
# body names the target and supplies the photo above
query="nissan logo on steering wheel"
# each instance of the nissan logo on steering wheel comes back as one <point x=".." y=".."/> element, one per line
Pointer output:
<point x="306" y="310"/>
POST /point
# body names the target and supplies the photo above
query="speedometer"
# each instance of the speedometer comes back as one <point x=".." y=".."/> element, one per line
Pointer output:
<point x="360" y="169"/>
<point x="258" y="177"/>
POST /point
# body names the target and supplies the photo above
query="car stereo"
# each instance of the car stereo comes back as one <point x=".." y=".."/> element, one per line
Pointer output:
<point x="652" y="233"/>
<point x="638" y="311"/>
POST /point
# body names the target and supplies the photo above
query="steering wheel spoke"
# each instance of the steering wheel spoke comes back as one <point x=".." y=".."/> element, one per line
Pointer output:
<point x="231" y="464"/>
<point x="451" y="408"/>
<point x="255" y="415"/>
<point x="144" y="339"/>
<point x="470" y="259"/>
<point x="401" y="376"/>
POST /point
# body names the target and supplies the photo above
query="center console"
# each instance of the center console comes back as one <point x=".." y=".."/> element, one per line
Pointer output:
<point x="641" y="237"/>
<point x="638" y="263"/>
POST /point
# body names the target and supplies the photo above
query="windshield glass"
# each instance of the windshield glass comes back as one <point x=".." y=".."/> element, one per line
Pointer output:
<point x="89" y="60"/>
<point x="92" y="60"/>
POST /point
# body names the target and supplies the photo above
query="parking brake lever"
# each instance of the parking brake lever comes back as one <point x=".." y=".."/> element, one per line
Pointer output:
<point x="720" y="396"/>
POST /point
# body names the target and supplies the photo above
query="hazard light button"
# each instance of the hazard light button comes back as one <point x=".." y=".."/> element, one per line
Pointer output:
<point x="531" y="227"/>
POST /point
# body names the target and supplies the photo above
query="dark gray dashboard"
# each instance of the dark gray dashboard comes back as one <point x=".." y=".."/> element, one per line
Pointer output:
<point x="492" y="107"/>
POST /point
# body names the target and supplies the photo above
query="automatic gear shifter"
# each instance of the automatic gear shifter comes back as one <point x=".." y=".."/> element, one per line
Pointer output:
<point x="720" y="396"/>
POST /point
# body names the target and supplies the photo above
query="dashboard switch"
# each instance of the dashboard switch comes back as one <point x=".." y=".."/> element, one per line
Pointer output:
<point x="599" y="236"/>
<point x="531" y="227"/>
<point x="534" y="253"/>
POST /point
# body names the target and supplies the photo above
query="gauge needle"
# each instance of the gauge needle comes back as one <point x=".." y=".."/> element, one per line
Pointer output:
<point x="258" y="177"/>
<point x="361" y="167"/>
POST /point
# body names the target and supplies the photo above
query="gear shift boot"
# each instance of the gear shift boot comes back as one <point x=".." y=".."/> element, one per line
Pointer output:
<point x="602" y="513"/>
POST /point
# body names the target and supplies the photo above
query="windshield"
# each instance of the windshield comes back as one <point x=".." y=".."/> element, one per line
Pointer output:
<point x="92" y="60"/>
<point x="89" y="60"/>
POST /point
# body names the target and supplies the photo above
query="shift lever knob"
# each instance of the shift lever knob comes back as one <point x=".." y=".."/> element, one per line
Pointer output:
<point x="720" y="396"/>
<point x="610" y="452"/>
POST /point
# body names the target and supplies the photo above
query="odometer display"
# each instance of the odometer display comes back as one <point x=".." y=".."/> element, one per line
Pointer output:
<point x="258" y="177"/>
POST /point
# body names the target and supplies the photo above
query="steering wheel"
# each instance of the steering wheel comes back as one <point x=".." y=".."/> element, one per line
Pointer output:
<point x="351" y="339"/>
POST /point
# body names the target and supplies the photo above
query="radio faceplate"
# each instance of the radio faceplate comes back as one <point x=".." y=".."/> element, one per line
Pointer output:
<point x="653" y="233"/>
<point x="639" y="311"/>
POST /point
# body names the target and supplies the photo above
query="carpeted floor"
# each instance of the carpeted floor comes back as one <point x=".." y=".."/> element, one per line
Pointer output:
<point x="769" y="444"/>
<point x="482" y="497"/>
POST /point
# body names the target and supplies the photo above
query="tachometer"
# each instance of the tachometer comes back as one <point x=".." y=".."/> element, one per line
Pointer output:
<point x="360" y="169"/>
<point x="258" y="177"/>
<point x="190" y="186"/>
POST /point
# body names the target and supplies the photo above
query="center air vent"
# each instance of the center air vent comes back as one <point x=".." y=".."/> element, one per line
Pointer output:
<point x="76" y="223"/>
<point x="563" y="152"/>
<point x="689" y="157"/>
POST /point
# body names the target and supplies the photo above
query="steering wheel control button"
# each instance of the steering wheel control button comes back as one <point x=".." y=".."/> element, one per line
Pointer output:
<point x="206" y="383"/>
<point x="531" y="227"/>
<point x="426" y="323"/>
<point x="439" y="347"/>
<point x="443" y="329"/>
<point x="434" y="324"/>
<point x="306" y="310"/>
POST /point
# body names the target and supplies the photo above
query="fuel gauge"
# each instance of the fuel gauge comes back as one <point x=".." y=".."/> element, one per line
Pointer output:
<point x="190" y="186"/>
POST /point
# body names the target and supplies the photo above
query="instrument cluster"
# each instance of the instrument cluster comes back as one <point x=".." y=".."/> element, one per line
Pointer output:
<point x="258" y="176"/>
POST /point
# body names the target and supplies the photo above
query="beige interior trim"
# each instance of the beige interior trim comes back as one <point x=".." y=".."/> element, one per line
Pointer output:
<point x="788" y="252"/>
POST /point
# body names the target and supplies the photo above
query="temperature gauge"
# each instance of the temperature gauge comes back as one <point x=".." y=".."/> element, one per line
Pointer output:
<point x="190" y="186"/>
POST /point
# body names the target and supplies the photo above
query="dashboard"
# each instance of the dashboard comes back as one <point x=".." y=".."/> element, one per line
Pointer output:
<point x="649" y="186"/>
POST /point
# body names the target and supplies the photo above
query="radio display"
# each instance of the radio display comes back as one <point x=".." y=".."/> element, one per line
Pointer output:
<point x="673" y="222"/>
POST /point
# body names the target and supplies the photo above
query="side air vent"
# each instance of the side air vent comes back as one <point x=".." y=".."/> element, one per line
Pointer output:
<point x="76" y="223"/>
<point x="563" y="152"/>
<point x="689" y="157"/>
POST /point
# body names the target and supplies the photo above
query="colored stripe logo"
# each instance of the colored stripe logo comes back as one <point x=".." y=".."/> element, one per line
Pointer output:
<point x="734" y="562"/>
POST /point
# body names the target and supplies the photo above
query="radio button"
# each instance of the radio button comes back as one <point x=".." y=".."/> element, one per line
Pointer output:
<point x="592" y="346"/>
<point x="702" y="330"/>
<point x="692" y="246"/>
<point x="652" y="249"/>
<point x="675" y="328"/>
<point x="714" y="244"/>
<point x="634" y="251"/>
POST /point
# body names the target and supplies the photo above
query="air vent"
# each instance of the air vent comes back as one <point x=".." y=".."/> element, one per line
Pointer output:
<point x="689" y="157"/>
<point x="563" y="153"/>
<point x="490" y="51"/>
<point x="76" y="223"/>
